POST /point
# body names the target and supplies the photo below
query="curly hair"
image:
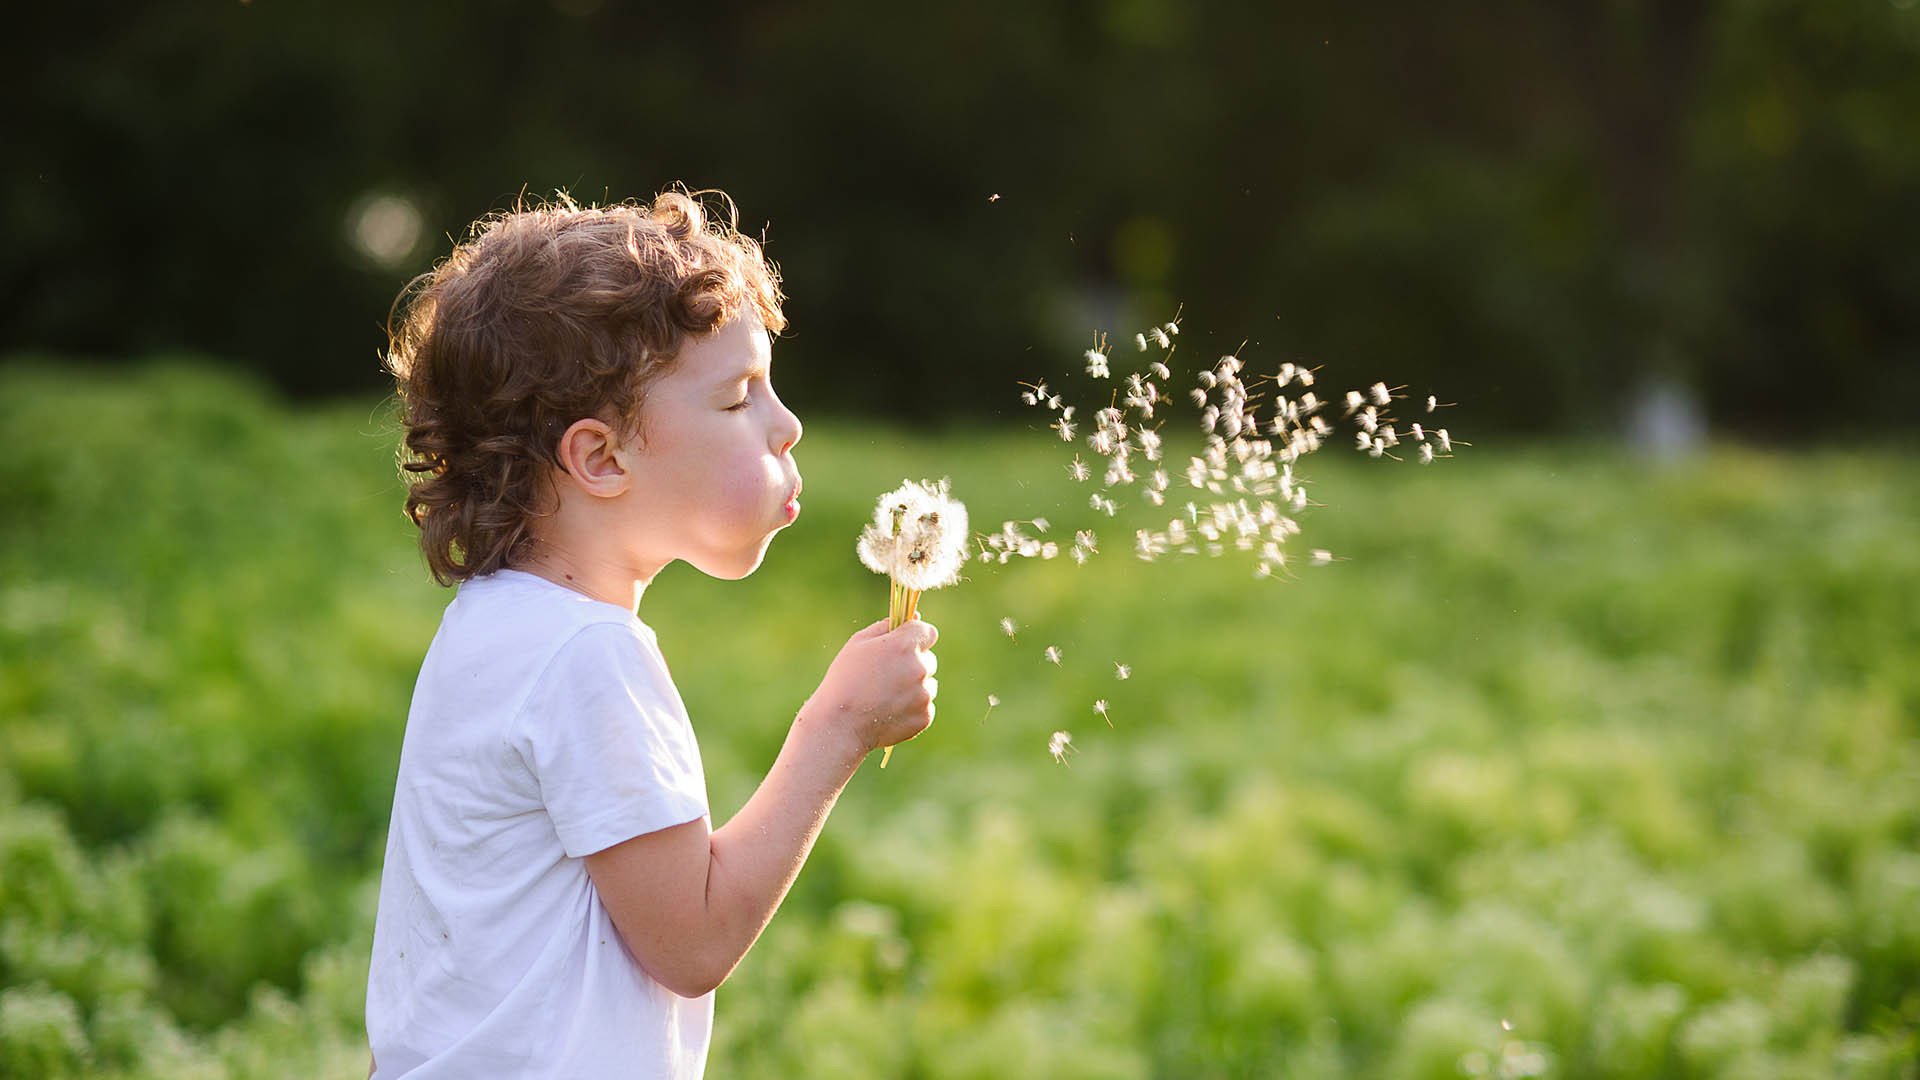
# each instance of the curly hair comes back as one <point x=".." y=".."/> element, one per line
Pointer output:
<point x="545" y="315"/>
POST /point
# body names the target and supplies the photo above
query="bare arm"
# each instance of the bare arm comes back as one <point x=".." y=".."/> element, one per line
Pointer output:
<point x="690" y="902"/>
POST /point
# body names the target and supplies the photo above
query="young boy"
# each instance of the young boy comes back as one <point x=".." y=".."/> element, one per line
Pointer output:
<point x="587" y="398"/>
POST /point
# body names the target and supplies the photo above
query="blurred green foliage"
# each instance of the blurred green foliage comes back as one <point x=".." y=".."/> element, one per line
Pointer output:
<point x="1536" y="206"/>
<point x="1577" y="767"/>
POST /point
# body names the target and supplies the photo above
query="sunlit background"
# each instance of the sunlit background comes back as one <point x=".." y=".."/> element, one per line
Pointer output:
<point x="1595" y="753"/>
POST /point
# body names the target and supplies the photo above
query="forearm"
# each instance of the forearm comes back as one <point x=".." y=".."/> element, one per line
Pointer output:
<point x="755" y="858"/>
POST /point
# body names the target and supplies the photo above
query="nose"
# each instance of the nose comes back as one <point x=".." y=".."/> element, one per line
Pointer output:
<point x="790" y="429"/>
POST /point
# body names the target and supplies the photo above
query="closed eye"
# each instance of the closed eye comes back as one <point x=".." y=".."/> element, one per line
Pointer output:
<point x="741" y="404"/>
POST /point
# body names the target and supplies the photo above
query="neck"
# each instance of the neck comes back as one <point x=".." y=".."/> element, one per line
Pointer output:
<point x="603" y="580"/>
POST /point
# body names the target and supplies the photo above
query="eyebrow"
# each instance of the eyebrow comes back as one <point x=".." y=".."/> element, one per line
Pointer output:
<point x="756" y="371"/>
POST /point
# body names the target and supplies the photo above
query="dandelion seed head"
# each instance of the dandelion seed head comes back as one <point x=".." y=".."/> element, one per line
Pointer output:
<point x="1321" y="557"/>
<point x="1077" y="470"/>
<point x="1160" y="371"/>
<point x="1141" y="341"/>
<point x="918" y="536"/>
<point x="1379" y="393"/>
<point x="1159" y="337"/>
<point x="1426" y="453"/>
<point x="1122" y="671"/>
<point x="1445" y="440"/>
<point x="1053" y="655"/>
<point x="1008" y="626"/>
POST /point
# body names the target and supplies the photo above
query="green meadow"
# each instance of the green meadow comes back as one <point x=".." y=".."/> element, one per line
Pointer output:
<point x="1575" y="765"/>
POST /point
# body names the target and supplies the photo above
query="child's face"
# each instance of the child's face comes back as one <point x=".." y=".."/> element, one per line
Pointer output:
<point x="714" y="475"/>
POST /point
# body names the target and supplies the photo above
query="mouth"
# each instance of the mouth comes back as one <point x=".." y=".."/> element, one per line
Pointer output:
<point x="792" y="506"/>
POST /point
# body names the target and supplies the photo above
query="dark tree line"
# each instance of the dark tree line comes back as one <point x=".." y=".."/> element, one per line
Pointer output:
<point x="1538" y="207"/>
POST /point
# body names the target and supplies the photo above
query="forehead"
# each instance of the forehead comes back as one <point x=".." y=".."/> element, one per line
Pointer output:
<point x="739" y="350"/>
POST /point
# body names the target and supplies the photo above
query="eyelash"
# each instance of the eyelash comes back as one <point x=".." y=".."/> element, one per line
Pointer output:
<point x="741" y="404"/>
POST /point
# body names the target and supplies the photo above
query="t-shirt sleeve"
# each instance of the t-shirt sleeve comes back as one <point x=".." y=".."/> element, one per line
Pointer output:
<point x="608" y="742"/>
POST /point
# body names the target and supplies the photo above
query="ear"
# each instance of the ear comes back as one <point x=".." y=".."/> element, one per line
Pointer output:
<point x="592" y="457"/>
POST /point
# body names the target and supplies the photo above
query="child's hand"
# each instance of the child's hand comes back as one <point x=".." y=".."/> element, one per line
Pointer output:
<point x="880" y="689"/>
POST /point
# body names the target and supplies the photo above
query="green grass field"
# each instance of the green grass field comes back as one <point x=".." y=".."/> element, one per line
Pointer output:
<point x="1575" y="767"/>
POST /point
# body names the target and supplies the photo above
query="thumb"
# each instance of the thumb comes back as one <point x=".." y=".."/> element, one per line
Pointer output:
<point x="871" y="630"/>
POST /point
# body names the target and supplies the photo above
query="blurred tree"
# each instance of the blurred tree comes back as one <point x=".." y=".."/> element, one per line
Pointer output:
<point x="1531" y="207"/>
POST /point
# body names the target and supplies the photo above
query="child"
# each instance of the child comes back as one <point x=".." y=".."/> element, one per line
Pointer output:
<point x="587" y="398"/>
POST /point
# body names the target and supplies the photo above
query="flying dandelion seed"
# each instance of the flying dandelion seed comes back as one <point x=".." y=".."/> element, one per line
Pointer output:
<point x="1096" y="363"/>
<point x="1053" y="655"/>
<point x="1122" y="671"/>
<point x="993" y="702"/>
<point x="1380" y="394"/>
<point x="1321" y="557"/>
<point x="1100" y="707"/>
<point x="1008" y="627"/>
<point x="1140" y="340"/>
<point x="1060" y="744"/>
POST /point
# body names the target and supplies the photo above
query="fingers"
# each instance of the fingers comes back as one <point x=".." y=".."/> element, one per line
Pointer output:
<point x="871" y="630"/>
<point x="922" y="635"/>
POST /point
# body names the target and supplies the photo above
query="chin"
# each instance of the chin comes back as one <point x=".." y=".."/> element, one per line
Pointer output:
<point x="733" y="568"/>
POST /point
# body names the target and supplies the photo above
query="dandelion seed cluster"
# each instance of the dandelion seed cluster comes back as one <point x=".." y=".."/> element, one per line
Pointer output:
<point x="1245" y="493"/>
<point x="1257" y="428"/>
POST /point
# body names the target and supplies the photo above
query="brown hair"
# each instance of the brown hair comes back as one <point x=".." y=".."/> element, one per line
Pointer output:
<point x="545" y="315"/>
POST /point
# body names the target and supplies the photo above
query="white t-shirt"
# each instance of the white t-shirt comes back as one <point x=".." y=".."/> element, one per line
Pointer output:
<point x="544" y="728"/>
